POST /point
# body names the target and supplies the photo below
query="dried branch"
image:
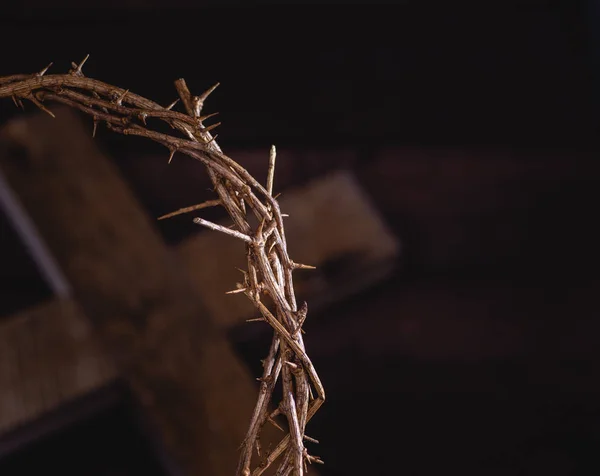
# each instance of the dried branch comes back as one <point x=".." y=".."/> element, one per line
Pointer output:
<point x="269" y="266"/>
<point x="206" y="204"/>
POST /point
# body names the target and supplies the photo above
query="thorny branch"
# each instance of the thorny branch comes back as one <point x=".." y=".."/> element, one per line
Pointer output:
<point x="269" y="270"/>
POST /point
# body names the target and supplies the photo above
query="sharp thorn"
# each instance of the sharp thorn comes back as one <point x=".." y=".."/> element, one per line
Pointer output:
<point x="256" y="319"/>
<point x="207" y="116"/>
<point x="172" y="153"/>
<point x="170" y="106"/>
<point x="95" y="127"/>
<point x="237" y="291"/>
<point x="211" y="127"/>
<point x="77" y="68"/>
<point x="272" y="422"/>
<point x="18" y="102"/>
<point x="223" y="229"/>
<point x="302" y="266"/>
<point x="208" y="92"/>
<point x="83" y="61"/>
<point x="43" y="71"/>
<point x="35" y="101"/>
<point x="271" y="170"/>
<point x="119" y="99"/>
<point x="198" y="101"/>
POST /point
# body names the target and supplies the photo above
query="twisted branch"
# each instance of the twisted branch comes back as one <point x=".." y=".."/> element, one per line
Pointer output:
<point x="269" y="270"/>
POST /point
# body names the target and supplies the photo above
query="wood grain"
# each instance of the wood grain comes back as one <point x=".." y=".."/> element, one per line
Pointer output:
<point x="178" y="365"/>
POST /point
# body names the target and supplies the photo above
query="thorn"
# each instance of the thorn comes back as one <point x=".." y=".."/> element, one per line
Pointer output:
<point x="211" y="127"/>
<point x="198" y="101"/>
<point x="223" y="229"/>
<point x="34" y="100"/>
<point x="208" y="92"/>
<point x="245" y="273"/>
<point x="312" y="440"/>
<point x="312" y="459"/>
<point x="170" y="106"/>
<point x="208" y="203"/>
<point x="284" y="215"/>
<point x="43" y="72"/>
<point x="213" y="139"/>
<point x="275" y="424"/>
<point x="76" y="71"/>
<point x="207" y="116"/>
<point x="302" y="266"/>
<point x="119" y="100"/>
<point x="143" y="117"/>
<point x="18" y="102"/>
<point x="256" y="319"/>
<point x="95" y="127"/>
<point x="277" y="196"/>
<point x="271" y="170"/>
<point x="172" y="153"/>
<point x="237" y="291"/>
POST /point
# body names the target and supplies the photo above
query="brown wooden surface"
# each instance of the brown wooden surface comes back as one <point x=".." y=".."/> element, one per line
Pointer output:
<point x="196" y="393"/>
<point x="48" y="357"/>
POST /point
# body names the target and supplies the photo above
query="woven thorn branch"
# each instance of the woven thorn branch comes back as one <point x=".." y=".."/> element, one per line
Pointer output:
<point x="269" y="273"/>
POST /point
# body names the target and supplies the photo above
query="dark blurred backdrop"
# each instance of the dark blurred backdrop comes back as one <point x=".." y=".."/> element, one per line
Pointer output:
<point x="472" y="127"/>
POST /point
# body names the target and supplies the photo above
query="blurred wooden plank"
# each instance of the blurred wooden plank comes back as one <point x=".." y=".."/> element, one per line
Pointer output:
<point x="63" y="418"/>
<point x="130" y="287"/>
<point x="332" y="225"/>
<point x="48" y="357"/>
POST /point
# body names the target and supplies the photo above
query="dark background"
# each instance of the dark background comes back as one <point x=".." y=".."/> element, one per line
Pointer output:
<point x="473" y="128"/>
